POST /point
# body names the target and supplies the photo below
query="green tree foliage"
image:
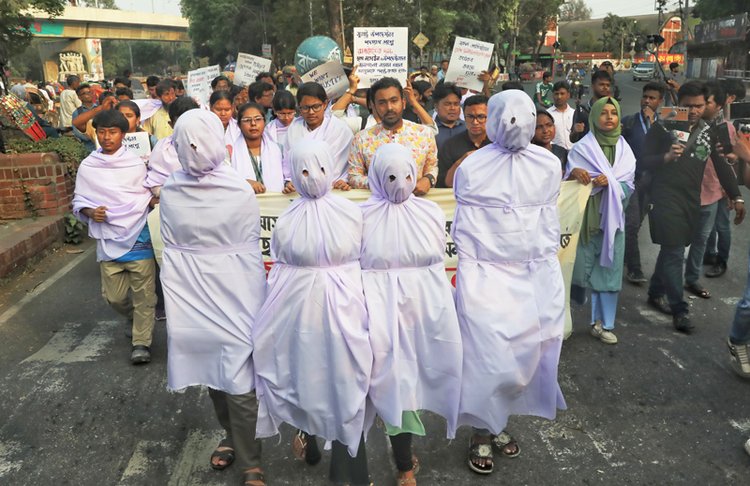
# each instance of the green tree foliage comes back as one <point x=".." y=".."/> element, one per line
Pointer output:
<point x="574" y="10"/>
<point x="713" y="9"/>
<point x="15" y="22"/>
<point x="221" y="28"/>
<point x="618" y="32"/>
<point x="149" y="57"/>
<point x="108" y="4"/>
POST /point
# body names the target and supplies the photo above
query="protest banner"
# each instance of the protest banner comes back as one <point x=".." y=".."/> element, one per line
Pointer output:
<point x="139" y="143"/>
<point x="570" y="203"/>
<point x="381" y="52"/>
<point x="468" y="59"/>
<point x="199" y="83"/>
<point x="249" y="66"/>
<point x="331" y="76"/>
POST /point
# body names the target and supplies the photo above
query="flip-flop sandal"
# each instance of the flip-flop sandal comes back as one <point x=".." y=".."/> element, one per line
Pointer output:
<point x="696" y="289"/>
<point x="227" y="456"/>
<point x="501" y="442"/>
<point x="480" y="451"/>
<point x="415" y="464"/>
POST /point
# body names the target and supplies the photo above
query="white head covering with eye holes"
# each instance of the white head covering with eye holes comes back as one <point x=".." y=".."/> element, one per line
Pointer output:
<point x="199" y="139"/>
<point x="511" y="120"/>
<point x="393" y="173"/>
<point x="311" y="168"/>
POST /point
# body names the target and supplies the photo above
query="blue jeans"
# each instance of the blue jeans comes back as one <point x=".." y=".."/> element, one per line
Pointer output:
<point x="721" y="237"/>
<point x="694" y="262"/>
<point x="740" y="332"/>
<point x="667" y="278"/>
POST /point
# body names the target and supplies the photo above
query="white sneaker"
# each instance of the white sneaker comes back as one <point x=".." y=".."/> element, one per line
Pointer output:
<point x="740" y="358"/>
<point x="605" y="336"/>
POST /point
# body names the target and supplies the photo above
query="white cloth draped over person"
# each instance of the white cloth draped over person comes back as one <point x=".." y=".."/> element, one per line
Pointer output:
<point x="312" y="349"/>
<point x="121" y="191"/>
<point x="413" y="324"/>
<point x="212" y="270"/>
<point x="333" y="131"/>
<point x="161" y="164"/>
<point x="269" y="163"/>
<point x="510" y="291"/>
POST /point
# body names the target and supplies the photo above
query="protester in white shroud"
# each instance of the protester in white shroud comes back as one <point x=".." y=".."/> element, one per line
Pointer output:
<point x="214" y="284"/>
<point x="510" y="295"/>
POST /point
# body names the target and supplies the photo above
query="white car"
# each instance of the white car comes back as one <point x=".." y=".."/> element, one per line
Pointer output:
<point x="645" y="71"/>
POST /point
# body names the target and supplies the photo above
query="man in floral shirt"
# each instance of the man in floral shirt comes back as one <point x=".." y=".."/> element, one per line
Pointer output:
<point x="677" y="161"/>
<point x="387" y="98"/>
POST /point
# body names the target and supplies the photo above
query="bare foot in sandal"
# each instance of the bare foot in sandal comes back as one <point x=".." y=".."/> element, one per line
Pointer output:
<point x="480" y="454"/>
<point x="506" y="444"/>
<point x="223" y="456"/>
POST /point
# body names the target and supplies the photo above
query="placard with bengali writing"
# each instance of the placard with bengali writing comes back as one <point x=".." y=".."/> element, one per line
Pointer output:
<point x="249" y="66"/>
<point x="381" y="52"/>
<point x="469" y="58"/>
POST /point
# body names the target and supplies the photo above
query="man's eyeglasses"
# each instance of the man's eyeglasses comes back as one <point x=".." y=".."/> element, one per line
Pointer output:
<point x="255" y="120"/>
<point x="473" y="118"/>
<point x="311" y="108"/>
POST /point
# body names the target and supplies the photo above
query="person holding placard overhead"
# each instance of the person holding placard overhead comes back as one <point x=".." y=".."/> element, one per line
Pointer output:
<point x="257" y="159"/>
<point x="316" y="123"/>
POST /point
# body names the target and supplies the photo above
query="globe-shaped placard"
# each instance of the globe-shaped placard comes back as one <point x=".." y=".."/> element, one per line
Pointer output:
<point x="314" y="51"/>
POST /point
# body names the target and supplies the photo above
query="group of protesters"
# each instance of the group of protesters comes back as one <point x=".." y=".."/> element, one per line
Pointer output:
<point x="356" y="317"/>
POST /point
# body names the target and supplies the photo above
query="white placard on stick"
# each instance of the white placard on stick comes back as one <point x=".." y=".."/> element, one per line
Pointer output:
<point x="469" y="58"/>
<point x="138" y="143"/>
<point x="249" y="66"/>
<point x="331" y="76"/>
<point x="199" y="83"/>
<point x="381" y="52"/>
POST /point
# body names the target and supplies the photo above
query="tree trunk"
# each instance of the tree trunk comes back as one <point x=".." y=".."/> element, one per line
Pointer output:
<point x="333" y="8"/>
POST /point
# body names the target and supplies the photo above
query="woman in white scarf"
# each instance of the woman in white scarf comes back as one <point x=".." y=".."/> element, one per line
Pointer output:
<point x="257" y="159"/>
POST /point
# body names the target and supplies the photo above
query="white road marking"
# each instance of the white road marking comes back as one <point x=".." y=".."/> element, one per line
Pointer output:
<point x="730" y="301"/>
<point x="95" y="343"/>
<point x="671" y="358"/>
<point x="13" y="310"/>
<point x="195" y="454"/>
<point x="58" y="346"/>
<point x="139" y="461"/>
<point x="7" y="450"/>
<point x="653" y="315"/>
<point x="741" y="425"/>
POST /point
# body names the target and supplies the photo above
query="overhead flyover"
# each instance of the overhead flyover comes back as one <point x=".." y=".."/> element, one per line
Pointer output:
<point x="97" y="23"/>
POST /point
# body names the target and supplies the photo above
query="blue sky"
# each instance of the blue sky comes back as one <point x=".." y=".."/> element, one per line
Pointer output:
<point x="599" y="8"/>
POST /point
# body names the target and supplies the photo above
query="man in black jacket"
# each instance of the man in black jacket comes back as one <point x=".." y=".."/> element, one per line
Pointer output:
<point x="677" y="171"/>
<point x="634" y="129"/>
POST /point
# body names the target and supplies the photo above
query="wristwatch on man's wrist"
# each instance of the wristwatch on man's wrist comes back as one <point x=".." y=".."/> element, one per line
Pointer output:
<point x="430" y="178"/>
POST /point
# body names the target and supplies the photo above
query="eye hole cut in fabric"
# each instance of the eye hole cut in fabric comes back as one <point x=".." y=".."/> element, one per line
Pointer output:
<point x="408" y="178"/>
<point x="305" y="173"/>
<point x="323" y="170"/>
<point x="513" y="121"/>
<point x="392" y="178"/>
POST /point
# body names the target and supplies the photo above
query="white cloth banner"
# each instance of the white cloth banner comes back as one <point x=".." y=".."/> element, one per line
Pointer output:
<point x="468" y="59"/>
<point x="381" y="52"/>
<point x="249" y="66"/>
<point x="571" y="204"/>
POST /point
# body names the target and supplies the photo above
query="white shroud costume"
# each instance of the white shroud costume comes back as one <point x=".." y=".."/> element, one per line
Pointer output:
<point x="510" y="294"/>
<point x="414" y="330"/>
<point x="212" y="270"/>
<point x="312" y="349"/>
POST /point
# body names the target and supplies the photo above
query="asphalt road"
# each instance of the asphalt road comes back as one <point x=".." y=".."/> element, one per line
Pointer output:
<point x="658" y="408"/>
